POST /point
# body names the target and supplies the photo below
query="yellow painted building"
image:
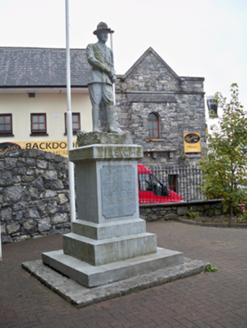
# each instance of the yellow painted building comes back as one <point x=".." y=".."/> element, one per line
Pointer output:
<point x="53" y="107"/>
<point x="33" y="98"/>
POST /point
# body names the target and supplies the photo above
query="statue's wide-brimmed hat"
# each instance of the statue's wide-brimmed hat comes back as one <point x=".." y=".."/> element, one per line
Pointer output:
<point x="102" y="26"/>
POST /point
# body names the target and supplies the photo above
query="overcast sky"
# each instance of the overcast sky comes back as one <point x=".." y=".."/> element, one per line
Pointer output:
<point x="204" y="38"/>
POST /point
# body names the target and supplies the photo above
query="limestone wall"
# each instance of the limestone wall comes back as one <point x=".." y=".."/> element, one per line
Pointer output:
<point x="164" y="212"/>
<point x="34" y="194"/>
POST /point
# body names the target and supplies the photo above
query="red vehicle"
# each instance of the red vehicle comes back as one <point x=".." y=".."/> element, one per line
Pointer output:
<point x="151" y="190"/>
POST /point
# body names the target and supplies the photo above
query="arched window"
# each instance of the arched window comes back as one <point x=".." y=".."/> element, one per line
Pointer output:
<point x="153" y="126"/>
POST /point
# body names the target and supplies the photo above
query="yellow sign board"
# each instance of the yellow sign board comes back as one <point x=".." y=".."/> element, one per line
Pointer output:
<point x="56" y="147"/>
<point x="192" y="142"/>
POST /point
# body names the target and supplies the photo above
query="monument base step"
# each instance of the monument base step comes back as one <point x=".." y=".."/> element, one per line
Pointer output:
<point x="99" y="231"/>
<point x="100" y="252"/>
<point x="81" y="296"/>
<point x="91" y="276"/>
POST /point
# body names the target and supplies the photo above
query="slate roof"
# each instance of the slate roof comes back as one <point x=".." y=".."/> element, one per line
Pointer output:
<point x="41" y="67"/>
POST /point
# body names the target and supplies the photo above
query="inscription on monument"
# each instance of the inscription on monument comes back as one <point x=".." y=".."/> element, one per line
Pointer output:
<point x="118" y="190"/>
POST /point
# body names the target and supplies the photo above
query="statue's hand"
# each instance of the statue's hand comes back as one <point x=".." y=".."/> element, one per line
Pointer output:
<point x="113" y="78"/>
<point x="111" y="75"/>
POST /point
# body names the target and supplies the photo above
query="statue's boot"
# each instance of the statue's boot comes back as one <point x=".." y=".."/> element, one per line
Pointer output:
<point x="111" y="124"/>
<point x="95" y="114"/>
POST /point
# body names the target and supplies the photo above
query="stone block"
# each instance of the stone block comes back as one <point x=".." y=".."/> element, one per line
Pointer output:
<point x="92" y="276"/>
<point x="50" y="194"/>
<point x="182" y="210"/>
<point x="49" y="155"/>
<point x="50" y="175"/>
<point x="171" y="216"/>
<point x="59" y="218"/>
<point x="10" y="163"/>
<point x="108" y="230"/>
<point x="52" y="207"/>
<point x="12" y="228"/>
<point x="16" y="179"/>
<point x="12" y="194"/>
<point x="32" y="213"/>
<point x="105" y="152"/>
<point x="54" y="185"/>
<point x="6" y="214"/>
<point x="99" y="252"/>
<point x="44" y="225"/>
<point x="1" y="165"/>
<point x="62" y="199"/>
<point x="62" y="208"/>
<point x="20" y="206"/>
<point x="89" y="138"/>
<point x="29" y="226"/>
<point x="5" y="178"/>
<point x="58" y="158"/>
<point x="30" y="162"/>
<point x="39" y="183"/>
<point x="107" y="190"/>
<point x="19" y="216"/>
<point x="41" y="164"/>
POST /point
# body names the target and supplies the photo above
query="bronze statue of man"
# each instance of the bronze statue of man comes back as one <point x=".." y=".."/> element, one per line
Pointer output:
<point x="100" y="81"/>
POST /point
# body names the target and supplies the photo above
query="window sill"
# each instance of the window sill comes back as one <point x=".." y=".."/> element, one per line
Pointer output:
<point x="74" y="133"/>
<point x="39" y="134"/>
<point x="6" y="135"/>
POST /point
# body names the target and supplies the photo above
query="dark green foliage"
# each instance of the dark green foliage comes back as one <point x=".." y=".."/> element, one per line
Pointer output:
<point x="224" y="164"/>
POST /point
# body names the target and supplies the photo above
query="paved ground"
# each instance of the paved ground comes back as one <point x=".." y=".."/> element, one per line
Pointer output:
<point x="216" y="300"/>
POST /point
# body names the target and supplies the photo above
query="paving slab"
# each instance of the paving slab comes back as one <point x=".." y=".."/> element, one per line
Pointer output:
<point x="82" y="296"/>
<point x="211" y="299"/>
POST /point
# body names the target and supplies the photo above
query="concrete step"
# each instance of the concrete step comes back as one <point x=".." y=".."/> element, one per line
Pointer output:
<point x="92" y="276"/>
<point x="108" y="230"/>
<point x="99" y="252"/>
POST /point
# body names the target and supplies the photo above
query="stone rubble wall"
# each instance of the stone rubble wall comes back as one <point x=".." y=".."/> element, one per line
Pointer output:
<point x="161" y="212"/>
<point x="34" y="194"/>
<point x="34" y="197"/>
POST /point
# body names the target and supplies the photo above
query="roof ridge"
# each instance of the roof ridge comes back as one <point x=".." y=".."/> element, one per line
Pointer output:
<point x="150" y="49"/>
<point x="38" y="48"/>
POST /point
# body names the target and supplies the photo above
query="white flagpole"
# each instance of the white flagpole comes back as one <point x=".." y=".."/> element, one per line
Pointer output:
<point x="69" y="120"/>
<point x="113" y="84"/>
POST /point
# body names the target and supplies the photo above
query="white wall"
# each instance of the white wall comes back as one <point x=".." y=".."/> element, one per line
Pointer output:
<point x="54" y="105"/>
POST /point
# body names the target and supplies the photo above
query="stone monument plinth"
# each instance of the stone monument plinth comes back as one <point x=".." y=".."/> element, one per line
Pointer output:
<point x="108" y="241"/>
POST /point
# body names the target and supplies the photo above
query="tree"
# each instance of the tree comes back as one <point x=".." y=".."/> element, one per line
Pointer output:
<point x="224" y="165"/>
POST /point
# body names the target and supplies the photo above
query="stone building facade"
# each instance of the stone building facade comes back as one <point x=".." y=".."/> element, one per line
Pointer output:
<point x="150" y="86"/>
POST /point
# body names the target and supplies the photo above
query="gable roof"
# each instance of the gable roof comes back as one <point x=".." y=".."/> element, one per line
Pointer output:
<point x="137" y="63"/>
<point x="41" y="67"/>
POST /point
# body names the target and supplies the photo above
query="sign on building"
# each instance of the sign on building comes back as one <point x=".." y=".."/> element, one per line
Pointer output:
<point x="56" y="147"/>
<point x="192" y="144"/>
